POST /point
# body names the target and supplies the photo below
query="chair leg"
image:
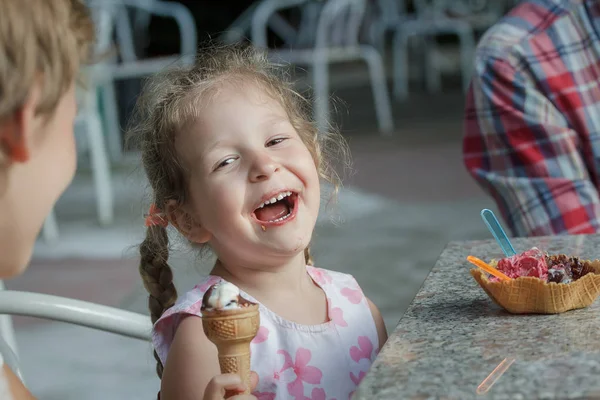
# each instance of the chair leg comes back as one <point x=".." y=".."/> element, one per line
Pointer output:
<point x="111" y="121"/>
<point x="50" y="228"/>
<point x="467" y="49"/>
<point x="320" y="73"/>
<point x="311" y="12"/>
<point x="400" y="64"/>
<point x="101" y="169"/>
<point x="433" y="78"/>
<point x="380" y="92"/>
<point x="377" y="36"/>
<point x="7" y="331"/>
<point x="467" y="44"/>
<point x="10" y="358"/>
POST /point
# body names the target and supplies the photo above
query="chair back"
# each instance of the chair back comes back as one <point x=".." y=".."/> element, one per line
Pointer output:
<point x="340" y="23"/>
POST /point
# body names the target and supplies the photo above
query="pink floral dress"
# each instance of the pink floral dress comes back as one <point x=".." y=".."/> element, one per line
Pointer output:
<point x="294" y="361"/>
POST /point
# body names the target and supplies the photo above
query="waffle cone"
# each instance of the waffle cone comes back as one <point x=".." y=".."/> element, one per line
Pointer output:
<point x="529" y="295"/>
<point x="232" y="331"/>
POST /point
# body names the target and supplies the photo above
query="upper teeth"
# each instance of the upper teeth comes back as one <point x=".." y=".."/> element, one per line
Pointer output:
<point x="276" y="198"/>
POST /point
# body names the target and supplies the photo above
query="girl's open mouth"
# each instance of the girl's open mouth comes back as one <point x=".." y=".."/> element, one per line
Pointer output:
<point x="277" y="210"/>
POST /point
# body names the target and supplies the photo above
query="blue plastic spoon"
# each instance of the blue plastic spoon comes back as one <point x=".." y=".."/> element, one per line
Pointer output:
<point x="496" y="229"/>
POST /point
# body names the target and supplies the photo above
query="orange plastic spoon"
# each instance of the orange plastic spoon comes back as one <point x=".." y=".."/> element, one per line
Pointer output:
<point x="487" y="268"/>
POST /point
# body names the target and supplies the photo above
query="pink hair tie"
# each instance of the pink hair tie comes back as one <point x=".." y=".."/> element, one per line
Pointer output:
<point x="155" y="217"/>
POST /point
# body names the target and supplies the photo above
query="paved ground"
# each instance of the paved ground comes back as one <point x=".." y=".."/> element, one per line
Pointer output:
<point x="409" y="197"/>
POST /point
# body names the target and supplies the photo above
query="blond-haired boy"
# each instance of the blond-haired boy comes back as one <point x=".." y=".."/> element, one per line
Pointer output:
<point x="42" y="44"/>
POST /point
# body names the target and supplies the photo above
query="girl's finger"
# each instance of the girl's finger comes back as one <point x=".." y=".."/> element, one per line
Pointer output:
<point x="242" y="397"/>
<point x="215" y="390"/>
<point x="253" y="380"/>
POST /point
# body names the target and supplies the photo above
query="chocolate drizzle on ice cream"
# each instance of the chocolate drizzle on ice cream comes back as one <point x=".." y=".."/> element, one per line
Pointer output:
<point x="566" y="269"/>
<point x="223" y="296"/>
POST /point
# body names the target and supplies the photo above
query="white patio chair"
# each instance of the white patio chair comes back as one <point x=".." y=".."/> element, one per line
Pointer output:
<point x="103" y="130"/>
<point x="429" y="20"/>
<point x="78" y="312"/>
<point x="429" y="24"/>
<point x="336" y="41"/>
<point x="7" y="331"/>
<point x="88" y="119"/>
<point x="442" y="17"/>
<point x="112" y="20"/>
<point x="50" y="229"/>
<point x="480" y="14"/>
<point x="241" y="26"/>
<point x="389" y="14"/>
<point x="11" y="359"/>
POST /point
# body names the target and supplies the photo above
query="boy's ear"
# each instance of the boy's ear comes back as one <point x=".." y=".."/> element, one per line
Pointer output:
<point x="185" y="223"/>
<point x="16" y="129"/>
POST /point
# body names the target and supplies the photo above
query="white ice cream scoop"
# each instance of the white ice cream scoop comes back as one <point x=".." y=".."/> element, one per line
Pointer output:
<point x="221" y="296"/>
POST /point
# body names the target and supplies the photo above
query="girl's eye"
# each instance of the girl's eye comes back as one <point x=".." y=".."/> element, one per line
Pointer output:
<point x="225" y="163"/>
<point x="276" y="141"/>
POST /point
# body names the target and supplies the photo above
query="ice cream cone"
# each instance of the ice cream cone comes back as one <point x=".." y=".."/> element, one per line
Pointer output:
<point x="232" y="331"/>
<point x="526" y="295"/>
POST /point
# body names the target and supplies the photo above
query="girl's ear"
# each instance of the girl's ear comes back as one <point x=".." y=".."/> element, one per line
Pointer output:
<point x="185" y="223"/>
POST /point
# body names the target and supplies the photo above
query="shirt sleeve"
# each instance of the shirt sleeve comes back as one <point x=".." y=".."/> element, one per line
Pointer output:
<point x="520" y="148"/>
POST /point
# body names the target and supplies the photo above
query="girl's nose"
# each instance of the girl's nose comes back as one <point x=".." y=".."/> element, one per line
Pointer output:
<point x="263" y="168"/>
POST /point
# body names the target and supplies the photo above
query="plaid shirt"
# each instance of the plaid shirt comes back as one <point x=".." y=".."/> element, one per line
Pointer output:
<point x="532" y="119"/>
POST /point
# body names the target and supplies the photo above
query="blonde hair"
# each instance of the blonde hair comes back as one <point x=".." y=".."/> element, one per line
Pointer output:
<point x="41" y="39"/>
<point x="170" y="101"/>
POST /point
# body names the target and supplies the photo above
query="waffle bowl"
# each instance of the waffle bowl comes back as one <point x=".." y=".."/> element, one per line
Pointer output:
<point x="530" y="295"/>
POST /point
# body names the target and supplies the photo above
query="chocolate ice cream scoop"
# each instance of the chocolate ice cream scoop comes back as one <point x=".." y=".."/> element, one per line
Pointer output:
<point x="558" y="275"/>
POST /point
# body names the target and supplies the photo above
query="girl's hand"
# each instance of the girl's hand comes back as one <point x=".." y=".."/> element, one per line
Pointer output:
<point x="226" y="386"/>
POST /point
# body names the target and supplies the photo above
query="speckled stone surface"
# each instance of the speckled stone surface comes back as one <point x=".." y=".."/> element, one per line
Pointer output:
<point x="453" y="336"/>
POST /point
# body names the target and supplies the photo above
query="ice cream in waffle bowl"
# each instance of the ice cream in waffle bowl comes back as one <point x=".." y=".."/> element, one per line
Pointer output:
<point x="534" y="282"/>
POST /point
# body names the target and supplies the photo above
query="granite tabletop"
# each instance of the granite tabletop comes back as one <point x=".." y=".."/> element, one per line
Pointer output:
<point x="454" y="343"/>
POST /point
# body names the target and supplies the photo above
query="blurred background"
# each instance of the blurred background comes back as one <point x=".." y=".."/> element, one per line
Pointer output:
<point x="392" y="77"/>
